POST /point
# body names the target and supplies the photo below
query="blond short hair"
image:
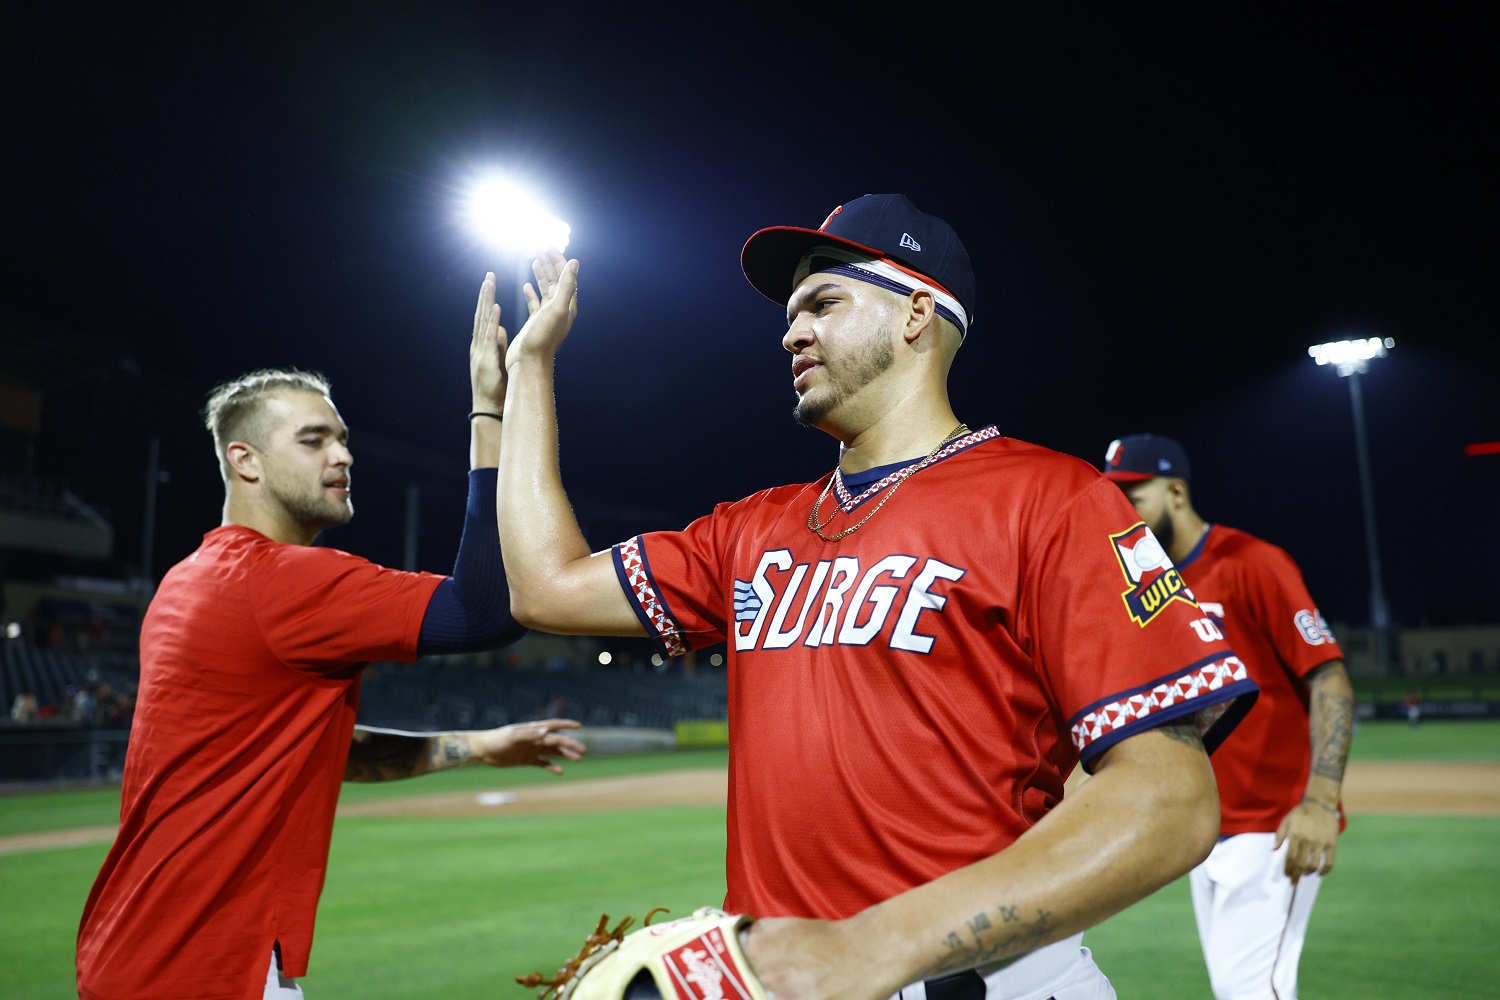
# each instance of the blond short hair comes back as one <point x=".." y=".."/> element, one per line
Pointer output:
<point x="233" y="408"/>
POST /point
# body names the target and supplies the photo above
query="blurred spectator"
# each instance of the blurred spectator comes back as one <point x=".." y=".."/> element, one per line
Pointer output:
<point x="24" y="708"/>
<point x="115" y="707"/>
<point x="84" y="707"/>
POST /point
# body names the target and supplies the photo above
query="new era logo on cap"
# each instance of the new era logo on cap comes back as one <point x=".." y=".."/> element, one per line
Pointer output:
<point x="1145" y="456"/>
<point x="909" y="243"/>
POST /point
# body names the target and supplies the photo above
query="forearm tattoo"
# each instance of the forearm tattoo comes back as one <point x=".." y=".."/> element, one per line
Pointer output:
<point x="1331" y="719"/>
<point x="380" y="755"/>
<point x="992" y="936"/>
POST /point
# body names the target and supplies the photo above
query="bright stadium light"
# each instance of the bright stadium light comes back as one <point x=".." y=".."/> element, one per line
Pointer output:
<point x="507" y="218"/>
<point x="1351" y="359"/>
<point x="511" y="219"/>
<point x="605" y="658"/>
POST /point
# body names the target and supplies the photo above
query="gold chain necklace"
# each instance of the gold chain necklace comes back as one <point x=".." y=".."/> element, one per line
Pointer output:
<point x="816" y="525"/>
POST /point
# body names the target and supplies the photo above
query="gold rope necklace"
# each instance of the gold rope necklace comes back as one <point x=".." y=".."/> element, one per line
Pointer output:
<point x="816" y="525"/>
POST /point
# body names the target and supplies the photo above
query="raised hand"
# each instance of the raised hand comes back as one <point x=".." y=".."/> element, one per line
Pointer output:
<point x="553" y="304"/>
<point x="487" y="352"/>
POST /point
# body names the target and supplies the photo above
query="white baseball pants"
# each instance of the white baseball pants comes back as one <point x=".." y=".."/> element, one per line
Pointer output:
<point x="1063" y="970"/>
<point x="1252" y="919"/>
<point x="277" y="986"/>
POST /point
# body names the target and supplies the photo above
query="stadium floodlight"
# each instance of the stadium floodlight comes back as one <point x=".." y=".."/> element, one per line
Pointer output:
<point x="511" y="219"/>
<point x="1351" y="359"/>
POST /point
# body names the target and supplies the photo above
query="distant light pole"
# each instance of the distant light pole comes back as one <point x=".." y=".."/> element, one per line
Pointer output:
<point x="1351" y="359"/>
<point x="514" y="221"/>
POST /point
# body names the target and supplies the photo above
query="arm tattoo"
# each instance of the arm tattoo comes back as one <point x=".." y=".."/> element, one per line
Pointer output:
<point x="1182" y="732"/>
<point x="446" y="750"/>
<point x="387" y="755"/>
<point x="1331" y="721"/>
<point x="992" y="936"/>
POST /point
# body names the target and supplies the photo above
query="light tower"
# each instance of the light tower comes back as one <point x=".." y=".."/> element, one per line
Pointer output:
<point x="1351" y="359"/>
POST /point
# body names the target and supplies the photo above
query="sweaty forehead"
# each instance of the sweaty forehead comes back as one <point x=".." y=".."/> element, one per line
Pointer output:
<point x="819" y="282"/>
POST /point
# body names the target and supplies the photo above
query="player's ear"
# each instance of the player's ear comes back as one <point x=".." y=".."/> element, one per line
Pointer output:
<point x="921" y="314"/>
<point x="1177" y="493"/>
<point x="243" y="461"/>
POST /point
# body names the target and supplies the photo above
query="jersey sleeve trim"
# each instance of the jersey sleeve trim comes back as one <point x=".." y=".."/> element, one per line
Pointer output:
<point x="1218" y="720"/>
<point x="634" y="571"/>
<point x="1210" y="690"/>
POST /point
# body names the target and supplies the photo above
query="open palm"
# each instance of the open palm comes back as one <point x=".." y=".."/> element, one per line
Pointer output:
<point x="552" y="304"/>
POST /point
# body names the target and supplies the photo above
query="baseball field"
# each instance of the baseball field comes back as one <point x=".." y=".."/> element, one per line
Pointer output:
<point x="451" y="885"/>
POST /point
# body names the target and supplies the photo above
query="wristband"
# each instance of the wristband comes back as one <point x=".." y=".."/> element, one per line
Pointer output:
<point x="485" y="413"/>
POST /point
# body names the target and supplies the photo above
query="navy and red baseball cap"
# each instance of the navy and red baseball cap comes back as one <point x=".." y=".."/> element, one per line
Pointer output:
<point x="1140" y="457"/>
<point x="877" y="229"/>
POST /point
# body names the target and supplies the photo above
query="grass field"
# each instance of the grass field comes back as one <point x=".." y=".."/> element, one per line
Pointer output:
<point x="455" y="907"/>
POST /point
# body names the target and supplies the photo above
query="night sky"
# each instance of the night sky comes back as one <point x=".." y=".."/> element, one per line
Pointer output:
<point x="1163" y="212"/>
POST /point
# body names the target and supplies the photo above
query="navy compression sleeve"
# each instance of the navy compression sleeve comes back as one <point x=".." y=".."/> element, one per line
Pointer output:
<point x="471" y="609"/>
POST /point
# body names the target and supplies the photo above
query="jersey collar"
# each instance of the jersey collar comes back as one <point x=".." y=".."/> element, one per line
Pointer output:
<point x="1197" y="549"/>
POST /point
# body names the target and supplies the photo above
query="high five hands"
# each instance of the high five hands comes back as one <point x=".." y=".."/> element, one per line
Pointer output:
<point x="486" y="349"/>
<point x="552" y="304"/>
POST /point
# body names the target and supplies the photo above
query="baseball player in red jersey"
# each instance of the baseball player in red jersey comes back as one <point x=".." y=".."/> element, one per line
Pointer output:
<point x="921" y="645"/>
<point x="251" y="656"/>
<point x="1281" y="772"/>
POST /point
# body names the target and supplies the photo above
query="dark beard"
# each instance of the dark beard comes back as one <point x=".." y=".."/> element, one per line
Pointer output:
<point x="876" y="358"/>
<point x="1164" y="532"/>
<point x="809" y="415"/>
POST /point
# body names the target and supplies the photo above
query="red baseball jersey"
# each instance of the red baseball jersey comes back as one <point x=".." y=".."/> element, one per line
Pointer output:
<point x="909" y="699"/>
<point x="1255" y="594"/>
<point x="251" y="653"/>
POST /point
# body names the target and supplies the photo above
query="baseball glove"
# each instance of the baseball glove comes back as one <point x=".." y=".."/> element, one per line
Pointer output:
<point x="692" y="958"/>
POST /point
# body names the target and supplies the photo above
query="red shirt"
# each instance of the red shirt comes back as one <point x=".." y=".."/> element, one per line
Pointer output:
<point x="1255" y="593"/>
<point x="909" y="699"/>
<point x="251" y="653"/>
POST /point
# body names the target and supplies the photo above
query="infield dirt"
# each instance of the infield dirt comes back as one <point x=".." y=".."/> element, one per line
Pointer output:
<point x="1444" y="789"/>
<point x="1416" y="788"/>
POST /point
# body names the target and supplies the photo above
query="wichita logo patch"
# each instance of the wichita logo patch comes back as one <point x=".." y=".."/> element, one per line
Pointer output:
<point x="1154" y="581"/>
